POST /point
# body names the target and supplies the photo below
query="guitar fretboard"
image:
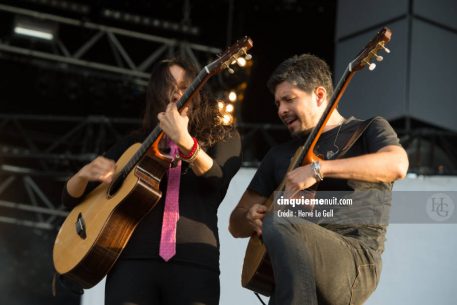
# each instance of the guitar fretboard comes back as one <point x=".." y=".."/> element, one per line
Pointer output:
<point x="196" y="84"/>
<point x="327" y="112"/>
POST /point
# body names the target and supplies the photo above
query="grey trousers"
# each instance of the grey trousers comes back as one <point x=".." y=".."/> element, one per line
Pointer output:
<point x="313" y="265"/>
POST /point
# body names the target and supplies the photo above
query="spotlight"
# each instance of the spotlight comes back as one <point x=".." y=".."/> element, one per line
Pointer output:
<point x="227" y="119"/>
<point x="232" y="96"/>
<point x="64" y="5"/>
<point x="147" y="21"/>
<point x="229" y="108"/>
<point x="35" y="28"/>
<point x="220" y="105"/>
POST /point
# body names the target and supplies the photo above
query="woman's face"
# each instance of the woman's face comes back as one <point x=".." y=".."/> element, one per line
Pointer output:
<point x="179" y="75"/>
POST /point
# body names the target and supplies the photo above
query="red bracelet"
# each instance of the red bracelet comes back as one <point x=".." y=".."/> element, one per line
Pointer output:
<point x="192" y="151"/>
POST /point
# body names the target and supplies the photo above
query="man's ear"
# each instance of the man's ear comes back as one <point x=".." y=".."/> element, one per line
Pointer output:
<point x="321" y="95"/>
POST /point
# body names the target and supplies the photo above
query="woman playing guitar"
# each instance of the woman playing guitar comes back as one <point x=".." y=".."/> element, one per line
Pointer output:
<point x="159" y="256"/>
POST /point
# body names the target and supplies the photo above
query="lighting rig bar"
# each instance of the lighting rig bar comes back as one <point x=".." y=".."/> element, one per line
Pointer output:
<point x="126" y="64"/>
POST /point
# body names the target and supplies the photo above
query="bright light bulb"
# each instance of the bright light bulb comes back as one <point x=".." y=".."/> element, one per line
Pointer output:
<point x="227" y="119"/>
<point x="229" y="108"/>
<point x="33" y="33"/>
<point x="232" y="96"/>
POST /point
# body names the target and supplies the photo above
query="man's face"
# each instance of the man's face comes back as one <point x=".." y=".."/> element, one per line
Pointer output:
<point x="297" y="109"/>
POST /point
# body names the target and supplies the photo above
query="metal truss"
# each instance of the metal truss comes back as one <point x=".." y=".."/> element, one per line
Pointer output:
<point x="123" y="61"/>
<point x="430" y="151"/>
<point x="38" y="154"/>
<point x="36" y="161"/>
<point x="38" y="211"/>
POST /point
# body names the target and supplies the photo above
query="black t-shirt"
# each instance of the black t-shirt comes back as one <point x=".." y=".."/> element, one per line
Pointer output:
<point x="365" y="195"/>
<point x="197" y="240"/>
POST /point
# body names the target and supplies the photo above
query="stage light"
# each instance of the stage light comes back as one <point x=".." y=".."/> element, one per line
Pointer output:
<point x="128" y="17"/>
<point x="64" y="5"/>
<point x="232" y="96"/>
<point x="229" y="108"/>
<point x="35" y="28"/>
<point x="220" y="105"/>
<point x="33" y="33"/>
<point x="227" y="119"/>
<point x="146" y="21"/>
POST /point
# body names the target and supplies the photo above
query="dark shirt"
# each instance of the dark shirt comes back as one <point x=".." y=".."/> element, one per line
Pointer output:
<point x="197" y="240"/>
<point x="351" y="221"/>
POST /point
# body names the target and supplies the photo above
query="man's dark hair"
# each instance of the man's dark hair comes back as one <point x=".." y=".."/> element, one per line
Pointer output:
<point x="305" y="71"/>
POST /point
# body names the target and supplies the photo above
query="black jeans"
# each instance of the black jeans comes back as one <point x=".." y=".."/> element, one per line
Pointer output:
<point x="313" y="265"/>
<point x="154" y="282"/>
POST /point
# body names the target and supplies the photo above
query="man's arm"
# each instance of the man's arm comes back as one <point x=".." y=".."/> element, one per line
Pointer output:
<point x="386" y="165"/>
<point x="247" y="216"/>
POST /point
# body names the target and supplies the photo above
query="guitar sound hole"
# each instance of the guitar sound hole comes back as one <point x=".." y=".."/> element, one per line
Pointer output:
<point x="115" y="186"/>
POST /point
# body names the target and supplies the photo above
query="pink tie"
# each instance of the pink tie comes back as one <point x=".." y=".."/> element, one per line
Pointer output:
<point x="171" y="210"/>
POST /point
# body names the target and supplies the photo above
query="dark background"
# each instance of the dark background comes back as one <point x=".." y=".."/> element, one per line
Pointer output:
<point x="37" y="96"/>
<point x="279" y="29"/>
<point x="55" y="117"/>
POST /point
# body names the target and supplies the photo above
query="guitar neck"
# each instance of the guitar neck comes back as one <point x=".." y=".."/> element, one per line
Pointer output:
<point x="226" y="59"/>
<point x="156" y="133"/>
<point x="306" y="155"/>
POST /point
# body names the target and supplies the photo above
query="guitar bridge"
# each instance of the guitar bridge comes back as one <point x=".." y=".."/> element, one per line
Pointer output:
<point x="81" y="226"/>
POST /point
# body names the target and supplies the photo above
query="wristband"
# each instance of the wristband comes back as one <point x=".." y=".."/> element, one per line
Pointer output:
<point x="190" y="157"/>
<point x="316" y="167"/>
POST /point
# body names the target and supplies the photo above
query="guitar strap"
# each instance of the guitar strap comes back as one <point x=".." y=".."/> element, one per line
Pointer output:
<point x="355" y="136"/>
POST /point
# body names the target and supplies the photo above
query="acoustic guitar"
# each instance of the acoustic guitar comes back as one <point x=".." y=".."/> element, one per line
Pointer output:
<point x="96" y="231"/>
<point x="257" y="274"/>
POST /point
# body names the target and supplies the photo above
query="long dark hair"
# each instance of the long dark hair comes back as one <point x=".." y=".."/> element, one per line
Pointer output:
<point x="205" y="120"/>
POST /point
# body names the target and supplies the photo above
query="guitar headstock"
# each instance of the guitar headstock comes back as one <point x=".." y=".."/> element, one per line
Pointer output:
<point x="365" y="58"/>
<point x="230" y="56"/>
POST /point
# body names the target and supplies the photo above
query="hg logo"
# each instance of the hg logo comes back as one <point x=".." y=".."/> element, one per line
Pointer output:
<point x="440" y="207"/>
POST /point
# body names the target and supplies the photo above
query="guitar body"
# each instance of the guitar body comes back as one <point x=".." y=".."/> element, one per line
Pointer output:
<point x="257" y="272"/>
<point x="109" y="221"/>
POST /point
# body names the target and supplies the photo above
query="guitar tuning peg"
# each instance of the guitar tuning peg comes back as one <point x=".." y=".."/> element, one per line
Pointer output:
<point x="248" y="56"/>
<point x="378" y="57"/>
<point x="241" y="61"/>
<point x="386" y="49"/>
<point x="371" y="66"/>
<point x="231" y="71"/>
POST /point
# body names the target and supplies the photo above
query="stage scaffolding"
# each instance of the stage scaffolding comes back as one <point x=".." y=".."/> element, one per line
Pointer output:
<point x="38" y="154"/>
<point x="121" y="61"/>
